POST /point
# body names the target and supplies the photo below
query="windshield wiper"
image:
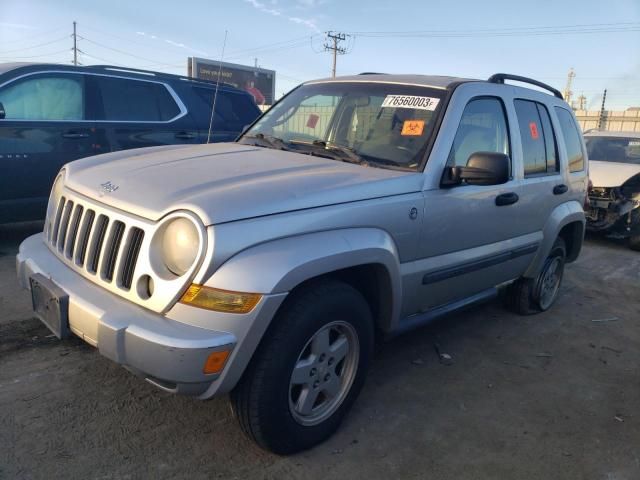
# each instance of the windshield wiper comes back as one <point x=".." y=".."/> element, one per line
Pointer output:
<point x="270" y="140"/>
<point x="349" y="155"/>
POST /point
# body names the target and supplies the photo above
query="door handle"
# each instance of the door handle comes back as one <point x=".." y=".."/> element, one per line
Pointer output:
<point x="75" y="135"/>
<point x="185" y="135"/>
<point x="507" y="199"/>
<point x="560" y="189"/>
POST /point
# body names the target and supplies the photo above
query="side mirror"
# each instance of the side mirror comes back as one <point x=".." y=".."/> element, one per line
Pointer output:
<point x="483" y="168"/>
<point x="2" y="112"/>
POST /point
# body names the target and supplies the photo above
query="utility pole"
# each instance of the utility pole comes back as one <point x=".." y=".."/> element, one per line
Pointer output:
<point x="567" y="94"/>
<point x="601" y="119"/>
<point x="75" y="45"/>
<point x="335" y="38"/>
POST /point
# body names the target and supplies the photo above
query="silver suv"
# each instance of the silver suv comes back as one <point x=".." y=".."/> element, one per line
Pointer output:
<point x="355" y="209"/>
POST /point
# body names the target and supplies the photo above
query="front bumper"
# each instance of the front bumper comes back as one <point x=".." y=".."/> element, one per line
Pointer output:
<point x="617" y="216"/>
<point x="167" y="352"/>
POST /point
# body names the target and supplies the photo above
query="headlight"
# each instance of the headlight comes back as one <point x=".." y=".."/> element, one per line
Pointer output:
<point x="54" y="199"/>
<point x="180" y="245"/>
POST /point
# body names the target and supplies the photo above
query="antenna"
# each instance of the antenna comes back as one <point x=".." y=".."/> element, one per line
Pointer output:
<point x="215" y="95"/>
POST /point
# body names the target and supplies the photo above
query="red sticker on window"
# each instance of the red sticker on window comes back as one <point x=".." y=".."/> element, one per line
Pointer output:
<point x="313" y="120"/>
<point x="533" y="128"/>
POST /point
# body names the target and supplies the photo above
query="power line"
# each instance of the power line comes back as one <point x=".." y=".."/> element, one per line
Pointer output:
<point x="31" y="37"/>
<point x="283" y="43"/>
<point x="122" y="52"/>
<point x="66" y="37"/>
<point x="35" y="56"/>
<point x="513" y="31"/>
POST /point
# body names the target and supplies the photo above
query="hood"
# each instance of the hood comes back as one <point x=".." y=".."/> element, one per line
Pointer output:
<point x="611" y="174"/>
<point x="224" y="182"/>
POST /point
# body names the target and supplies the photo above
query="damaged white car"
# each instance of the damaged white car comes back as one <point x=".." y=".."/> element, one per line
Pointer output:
<point x="614" y="170"/>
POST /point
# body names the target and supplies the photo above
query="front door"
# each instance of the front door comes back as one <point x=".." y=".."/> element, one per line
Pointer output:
<point x="43" y="128"/>
<point x="470" y="239"/>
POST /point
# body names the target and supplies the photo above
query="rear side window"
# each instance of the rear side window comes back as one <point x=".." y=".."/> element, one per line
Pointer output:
<point x="134" y="100"/>
<point x="571" y="137"/>
<point x="233" y="111"/>
<point x="44" y="97"/>
<point x="483" y="128"/>
<point x="539" y="148"/>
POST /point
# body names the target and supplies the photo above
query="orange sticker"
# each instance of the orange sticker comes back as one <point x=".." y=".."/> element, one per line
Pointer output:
<point x="412" y="127"/>
<point x="533" y="129"/>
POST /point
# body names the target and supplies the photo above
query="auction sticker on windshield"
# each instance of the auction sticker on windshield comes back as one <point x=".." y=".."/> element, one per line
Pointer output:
<point x="410" y="101"/>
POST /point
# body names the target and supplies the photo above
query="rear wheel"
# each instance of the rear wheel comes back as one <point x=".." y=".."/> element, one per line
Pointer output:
<point x="634" y="242"/>
<point x="308" y="370"/>
<point x="527" y="296"/>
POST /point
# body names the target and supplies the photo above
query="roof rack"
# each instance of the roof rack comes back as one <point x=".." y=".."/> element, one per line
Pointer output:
<point x="501" y="77"/>
<point x="372" y="73"/>
<point x="138" y="71"/>
<point x="127" y="69"/>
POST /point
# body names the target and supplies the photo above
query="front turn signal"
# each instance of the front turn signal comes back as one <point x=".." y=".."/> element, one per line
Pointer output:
<point x="220" y="300"/>
<point x="215" y="362"/>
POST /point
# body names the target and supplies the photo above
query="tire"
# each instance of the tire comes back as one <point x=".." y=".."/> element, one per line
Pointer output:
<point x="634" y="242"/>
<point x="268" y="402"/>
<point x="527" y="296"/>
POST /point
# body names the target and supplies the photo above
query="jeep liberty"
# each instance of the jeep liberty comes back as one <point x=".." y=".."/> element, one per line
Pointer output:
<point x="355" y="209"/>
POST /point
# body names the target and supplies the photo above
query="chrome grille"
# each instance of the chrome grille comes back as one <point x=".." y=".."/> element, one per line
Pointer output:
<point x="114" y="249"/>
<point x="94" y="243"/>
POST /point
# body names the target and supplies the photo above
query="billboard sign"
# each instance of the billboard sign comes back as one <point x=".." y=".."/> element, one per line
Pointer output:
<point x="259" y="82"/>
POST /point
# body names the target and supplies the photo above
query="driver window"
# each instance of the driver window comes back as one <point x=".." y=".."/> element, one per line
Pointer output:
<point x="483" y="128"/>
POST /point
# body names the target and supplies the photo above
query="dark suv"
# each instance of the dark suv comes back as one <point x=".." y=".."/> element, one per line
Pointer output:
<point x="53" y="114"/>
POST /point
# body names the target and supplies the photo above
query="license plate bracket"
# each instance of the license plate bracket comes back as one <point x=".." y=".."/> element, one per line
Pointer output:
<point x="50" y="304"/>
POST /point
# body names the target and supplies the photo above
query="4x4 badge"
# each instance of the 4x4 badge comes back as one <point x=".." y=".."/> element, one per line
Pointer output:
<point x="107" y="187"/>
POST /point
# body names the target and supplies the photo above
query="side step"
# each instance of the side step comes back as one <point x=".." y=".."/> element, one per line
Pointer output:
<point x="421" y="319"/>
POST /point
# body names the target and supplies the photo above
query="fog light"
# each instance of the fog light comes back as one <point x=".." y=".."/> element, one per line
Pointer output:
<point x="215" y="362"/>
<point x="220" y="300"/>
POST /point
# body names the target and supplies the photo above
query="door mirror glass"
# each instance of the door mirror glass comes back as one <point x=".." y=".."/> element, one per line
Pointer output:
<point x="483" y="168"/>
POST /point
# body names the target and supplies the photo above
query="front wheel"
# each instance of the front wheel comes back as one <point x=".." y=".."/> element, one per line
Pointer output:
<point x="308" y="370"/>
<point x="527" y="296"/>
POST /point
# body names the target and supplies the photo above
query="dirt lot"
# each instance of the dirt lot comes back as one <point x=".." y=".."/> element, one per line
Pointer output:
<point x="543" y="397"/>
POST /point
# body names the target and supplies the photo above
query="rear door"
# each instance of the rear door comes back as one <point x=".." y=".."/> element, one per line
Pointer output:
<point x="544" y="186"/>
<point x="234" y="111"/>
<point x="140" y="113"/>
<point x="44" y="127"/>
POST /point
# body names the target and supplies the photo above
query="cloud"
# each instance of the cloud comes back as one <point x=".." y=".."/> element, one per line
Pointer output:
<point x="173" y="43"/>
<point x="307" y="22"/>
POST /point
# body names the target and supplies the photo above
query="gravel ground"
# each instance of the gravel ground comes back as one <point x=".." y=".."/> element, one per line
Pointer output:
<point x="552" y="396"/>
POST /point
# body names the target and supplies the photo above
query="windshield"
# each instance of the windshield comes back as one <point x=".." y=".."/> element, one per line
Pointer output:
<point x="614" y="149"/>
<point x="373" y="124"/>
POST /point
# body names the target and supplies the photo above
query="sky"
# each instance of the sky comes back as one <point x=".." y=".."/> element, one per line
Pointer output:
<point x="541" y="39"/>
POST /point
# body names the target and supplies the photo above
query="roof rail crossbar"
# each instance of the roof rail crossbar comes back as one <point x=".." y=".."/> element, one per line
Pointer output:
<point x="501" y="77"/>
